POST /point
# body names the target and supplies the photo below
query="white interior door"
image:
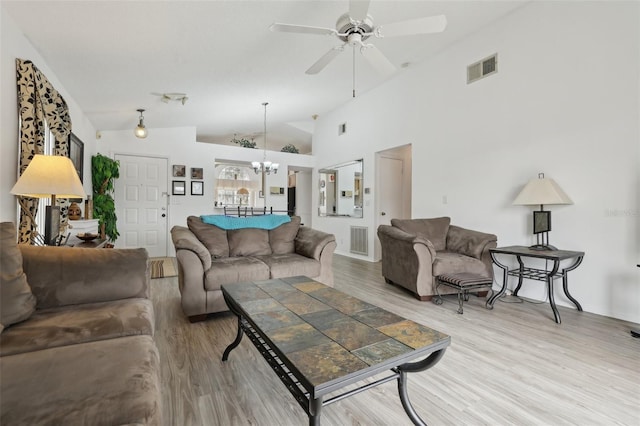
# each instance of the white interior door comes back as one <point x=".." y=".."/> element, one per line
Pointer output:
<point x="141" y="203"/>
<point x="390" y="184"/>
<point x="390" y="194"/>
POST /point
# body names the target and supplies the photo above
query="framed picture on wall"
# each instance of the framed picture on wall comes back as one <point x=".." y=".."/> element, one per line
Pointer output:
<point x="196" y="173"/>
<point x="197" y="187"/>
<point x="76" y="154"/>
<point x="179" y="170"/>
<point x="177" y="187"/>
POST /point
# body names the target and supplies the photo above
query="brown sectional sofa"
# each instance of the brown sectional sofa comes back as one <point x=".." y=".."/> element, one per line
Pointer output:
<point x="209" y="256"/>
<point x="76" y="346"/>
<point x="416" y="251"/>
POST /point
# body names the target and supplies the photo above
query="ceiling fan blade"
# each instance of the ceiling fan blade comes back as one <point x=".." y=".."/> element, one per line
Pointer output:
<point x="377" y="59"/>
<point x="358" y="9"/>
<point x="324" y="60"/>
<point x="426" y="25"/>
<point x="301" y="29"/>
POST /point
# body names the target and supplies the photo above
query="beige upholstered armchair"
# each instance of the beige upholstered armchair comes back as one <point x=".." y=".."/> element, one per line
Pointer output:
<point x="416" y="251"/>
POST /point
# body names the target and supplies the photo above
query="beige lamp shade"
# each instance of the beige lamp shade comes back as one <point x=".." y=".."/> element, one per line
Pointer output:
<point x="47" y="176"/>
<point x="542" y="191"/>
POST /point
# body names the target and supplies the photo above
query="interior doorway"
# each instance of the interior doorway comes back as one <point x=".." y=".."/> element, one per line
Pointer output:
<point x="393" y="180"/>
<point x="141" y="198"/>
<point x="299" y="193"/>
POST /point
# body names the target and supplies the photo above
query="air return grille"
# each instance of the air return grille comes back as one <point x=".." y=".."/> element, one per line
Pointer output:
<point x="482" y="68"/>
<point x="359" y="242"/>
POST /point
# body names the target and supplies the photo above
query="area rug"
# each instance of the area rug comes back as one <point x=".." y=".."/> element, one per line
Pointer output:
<point x="163" y="267"/>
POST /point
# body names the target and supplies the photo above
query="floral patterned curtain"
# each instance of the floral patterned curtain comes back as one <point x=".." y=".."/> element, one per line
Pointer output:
<point x="38" y="102"/>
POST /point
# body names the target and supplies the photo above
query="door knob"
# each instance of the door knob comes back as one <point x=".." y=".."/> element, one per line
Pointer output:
<point x="383" y="214"/>
<point x="164" y="215"/>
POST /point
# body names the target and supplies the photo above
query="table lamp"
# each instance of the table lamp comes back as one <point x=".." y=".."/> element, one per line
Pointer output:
<point x="50" y="176"/>
<point x="542" y="191"/>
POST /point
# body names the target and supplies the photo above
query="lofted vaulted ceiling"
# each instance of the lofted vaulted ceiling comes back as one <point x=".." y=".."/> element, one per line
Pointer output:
<point x="112" y="56"/>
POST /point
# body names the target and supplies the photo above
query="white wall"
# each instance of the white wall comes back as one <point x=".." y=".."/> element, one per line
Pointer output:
<point x="564" y="102"/>
<point x="14" y="45"/>
<point x="179" y="145"/>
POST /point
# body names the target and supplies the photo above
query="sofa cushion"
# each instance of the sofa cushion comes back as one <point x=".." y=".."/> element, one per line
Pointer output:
<point x="434" y="230"/>
<point x="213" y="238"/>
<point x="70" y="325"/>
<point x="248" y="242"/>
<point x="17" y="300"/>
<point x="63" y="276"/>
<point x="282" y="238"/>
<point x="291" y="265"/>
<point x="454" y="263"/>
<point x="469" y="242"/>
<point x="109" y="382"/>
<point x="234" y="269"/>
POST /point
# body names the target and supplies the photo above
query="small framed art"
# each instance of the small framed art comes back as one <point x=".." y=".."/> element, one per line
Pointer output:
<point x="179" y="170"/>
<point x="177" y="187"/>
<point x="197" y="188"/>
<point x="196" y="173"/>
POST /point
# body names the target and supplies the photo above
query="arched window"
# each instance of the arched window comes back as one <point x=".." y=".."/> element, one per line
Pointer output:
<point x="234" y="187"/>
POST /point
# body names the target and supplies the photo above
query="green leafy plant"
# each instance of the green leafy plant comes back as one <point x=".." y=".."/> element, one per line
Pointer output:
<point x="290" y="148"/>
<point x="104" y="171"/>
<point x="243" y="142"/>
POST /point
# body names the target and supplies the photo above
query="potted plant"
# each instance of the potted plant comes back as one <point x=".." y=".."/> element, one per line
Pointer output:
<point x="244" y="142"/>
<point x="104" y="171"/>
<point x="290" y="148"/>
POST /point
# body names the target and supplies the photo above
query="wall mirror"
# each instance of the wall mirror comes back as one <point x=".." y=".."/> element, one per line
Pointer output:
<point x="341" y="190"/>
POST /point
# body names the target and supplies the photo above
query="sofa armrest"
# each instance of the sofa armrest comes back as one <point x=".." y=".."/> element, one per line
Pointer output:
<point x="61" y="276"/>
<point x="184" y="239"/>
<point x="407" y="260"/>
<point x="311" y="242"/>
<point x="404" y="239"/>
<point x="470" y="243"/>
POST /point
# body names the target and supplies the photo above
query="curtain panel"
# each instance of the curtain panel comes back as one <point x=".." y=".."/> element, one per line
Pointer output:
<point x="39" y="105"/>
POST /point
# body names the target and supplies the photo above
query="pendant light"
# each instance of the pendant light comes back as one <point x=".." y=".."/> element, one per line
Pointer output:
<point x="140" y="131"/>
<point x="265" y="166"/>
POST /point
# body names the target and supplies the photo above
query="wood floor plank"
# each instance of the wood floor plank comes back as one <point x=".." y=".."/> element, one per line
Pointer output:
<point x="510" y="365"/>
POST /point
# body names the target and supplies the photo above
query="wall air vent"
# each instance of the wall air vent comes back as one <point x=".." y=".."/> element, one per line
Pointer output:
<point x="359" y="242"/>
<point x="483" y="68"/>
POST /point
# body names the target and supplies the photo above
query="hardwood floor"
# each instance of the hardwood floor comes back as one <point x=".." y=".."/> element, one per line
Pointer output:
<point x="509" y="366"/>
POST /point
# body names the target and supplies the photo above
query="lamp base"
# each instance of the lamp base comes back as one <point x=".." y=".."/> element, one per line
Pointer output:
<point x="543" y="247"/>
<point x="52" y="225"/>
<point x="542" y="242"/>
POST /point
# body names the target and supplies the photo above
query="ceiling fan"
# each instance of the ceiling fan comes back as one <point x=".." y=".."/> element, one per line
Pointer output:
<point x="356" y="26"/>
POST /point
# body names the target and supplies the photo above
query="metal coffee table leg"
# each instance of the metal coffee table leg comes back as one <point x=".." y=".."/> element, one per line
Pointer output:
<point x="414" y="367"/>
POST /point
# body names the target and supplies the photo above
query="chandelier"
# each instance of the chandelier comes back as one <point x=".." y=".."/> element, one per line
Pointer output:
<point x="265" y="166"/>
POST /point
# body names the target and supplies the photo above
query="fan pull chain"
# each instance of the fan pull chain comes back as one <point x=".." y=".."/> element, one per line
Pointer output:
<point x="354" y="71"/>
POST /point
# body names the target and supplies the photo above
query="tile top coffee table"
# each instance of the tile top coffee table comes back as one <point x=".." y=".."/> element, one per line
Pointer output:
<point x="319" y="340"/>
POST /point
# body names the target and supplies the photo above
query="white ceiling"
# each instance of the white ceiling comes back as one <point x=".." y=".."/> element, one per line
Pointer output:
<point x="112" y="55"/>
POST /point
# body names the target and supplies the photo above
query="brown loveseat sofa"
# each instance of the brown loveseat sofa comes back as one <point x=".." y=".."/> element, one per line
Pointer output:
<point x="416" y="251"/>
<point x="77" y="345"/>
<point x="209" y="256"/>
